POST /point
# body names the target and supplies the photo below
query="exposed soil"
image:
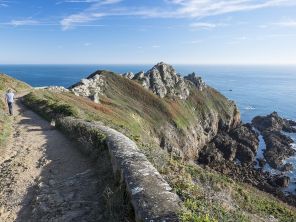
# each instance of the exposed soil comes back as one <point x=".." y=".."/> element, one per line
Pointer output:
<point x="43" y="177"/>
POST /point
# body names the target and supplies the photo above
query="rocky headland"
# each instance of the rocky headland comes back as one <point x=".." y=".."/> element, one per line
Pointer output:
<point x="167" y="113"/>
<point x="187" y="94"/>
<point x="215" y="135"/>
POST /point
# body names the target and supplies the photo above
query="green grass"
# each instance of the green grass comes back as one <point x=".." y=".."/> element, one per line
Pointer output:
<point x="135" y="111"/>
<point x="139" y="114"/>
<point x="209" y="196"/>
<point x="49" y="107"/>
<point x="7" y="82"/>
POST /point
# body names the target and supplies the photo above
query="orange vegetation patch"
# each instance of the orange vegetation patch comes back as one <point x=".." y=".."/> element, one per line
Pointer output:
<point x="81" y="101"/>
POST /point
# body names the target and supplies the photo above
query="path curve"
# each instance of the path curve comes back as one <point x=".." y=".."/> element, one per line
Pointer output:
<point x="43" y="178"/>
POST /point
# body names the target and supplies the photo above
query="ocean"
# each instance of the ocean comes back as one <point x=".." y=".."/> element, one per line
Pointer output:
<point x="257" y="90"/>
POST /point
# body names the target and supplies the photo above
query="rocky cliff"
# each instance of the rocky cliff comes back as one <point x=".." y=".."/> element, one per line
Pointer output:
<point x="182" y="116"/>
<point x="278" y="145"/>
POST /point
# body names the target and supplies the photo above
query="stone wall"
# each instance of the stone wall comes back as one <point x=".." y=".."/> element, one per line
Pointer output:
<point x="150" y="195"/>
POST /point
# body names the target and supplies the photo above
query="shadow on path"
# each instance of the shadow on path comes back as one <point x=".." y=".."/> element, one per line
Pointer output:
<point x="68" y="186"/>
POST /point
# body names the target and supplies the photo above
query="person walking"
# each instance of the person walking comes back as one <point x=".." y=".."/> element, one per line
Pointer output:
<point x="10" y="99"/>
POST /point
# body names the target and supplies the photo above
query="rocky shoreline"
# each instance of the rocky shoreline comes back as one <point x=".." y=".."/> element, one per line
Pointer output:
<point x="233" y="153"/>
<point x="278" y="145"/>
<point x="213" y="138"/>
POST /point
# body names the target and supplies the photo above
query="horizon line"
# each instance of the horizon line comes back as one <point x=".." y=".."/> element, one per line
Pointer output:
<point x="93" y="64"/>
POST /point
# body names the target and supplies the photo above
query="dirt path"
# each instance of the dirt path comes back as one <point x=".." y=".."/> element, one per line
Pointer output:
<point x="43" y="178"/>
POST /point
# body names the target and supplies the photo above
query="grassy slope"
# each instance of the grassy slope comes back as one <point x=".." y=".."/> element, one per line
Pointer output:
<point x="137" y="112"/>
<point x="140" y="114"/>
<point x="7" y="82"/>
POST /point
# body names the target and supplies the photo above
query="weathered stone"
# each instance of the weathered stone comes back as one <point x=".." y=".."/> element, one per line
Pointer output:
<point x="163" y="80"/>
<point x="128" y="75"/>
<point x="151" y="196"/>
<point x="278" y="148"/>
<point x="287" y="167"/>
<point x="196" y="80"/>
<point x="239" y="143"/>
<point x="91" y="87"/>
<point x="261" y="162"/>
<point x="273" y="122"/>
<point x="278" y="145"/>
<point x="282" y="181"/>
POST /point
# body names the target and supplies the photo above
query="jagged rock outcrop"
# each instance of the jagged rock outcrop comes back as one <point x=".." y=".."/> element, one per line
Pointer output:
<point x="192" y="113"/>
<point x="163" y="80"/>
<point x="278" y="148"/>
<point x="278" y="145"/>
<point x="273" y="122"/>
<point x="129" y="75"/>
<point x="196" y="80"/>
<point x="92" y="87"/>
<point x="240" y="143"/>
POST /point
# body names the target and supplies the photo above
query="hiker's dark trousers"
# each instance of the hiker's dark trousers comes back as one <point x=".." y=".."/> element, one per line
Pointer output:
<point x="10" y="108"/>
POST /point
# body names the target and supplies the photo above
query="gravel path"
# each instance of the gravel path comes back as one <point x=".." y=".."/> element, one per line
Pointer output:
<point x="44" y="178"/>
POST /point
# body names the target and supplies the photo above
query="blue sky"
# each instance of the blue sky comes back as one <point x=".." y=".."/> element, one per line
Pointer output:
<point x="148" y="31"/>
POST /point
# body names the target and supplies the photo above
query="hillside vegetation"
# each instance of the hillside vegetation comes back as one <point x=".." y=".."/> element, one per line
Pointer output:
<point x="146" y="118"/>
<point x="140" y="114"/>
<point x="7" y="82"/>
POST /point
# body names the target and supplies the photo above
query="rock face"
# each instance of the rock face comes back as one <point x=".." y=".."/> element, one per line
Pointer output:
<point x="196" y="80"/>
<point x="278" y="145"/>
<point x="281" y="181"/>
<point x="91" y="87"/>
<point x="273" y="122"/>
<point x="240" y="143"/>
<point x="278" y="148"/>
<point x="128" y="75"/>
<point x="207" y="109"/>
<point x="163" y="80"/>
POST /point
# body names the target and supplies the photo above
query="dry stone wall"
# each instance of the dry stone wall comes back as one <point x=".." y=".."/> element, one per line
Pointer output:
<point x="150" y="195"/>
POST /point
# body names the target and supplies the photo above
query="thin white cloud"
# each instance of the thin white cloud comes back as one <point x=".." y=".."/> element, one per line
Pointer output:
<point x="87" y="15"/>
<point x="203" y="8"/>
<point x="3" y="3"/>
<point x="175" y="9"/>
<point x="289" y="24"/>
<point x="25" y="22"/>
<point x="202" y="25"/>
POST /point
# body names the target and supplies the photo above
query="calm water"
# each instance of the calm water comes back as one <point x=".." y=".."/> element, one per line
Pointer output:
<point x="257" y="90"/>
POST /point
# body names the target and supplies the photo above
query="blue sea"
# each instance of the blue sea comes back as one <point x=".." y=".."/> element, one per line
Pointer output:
<point x="257" y="90"/>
